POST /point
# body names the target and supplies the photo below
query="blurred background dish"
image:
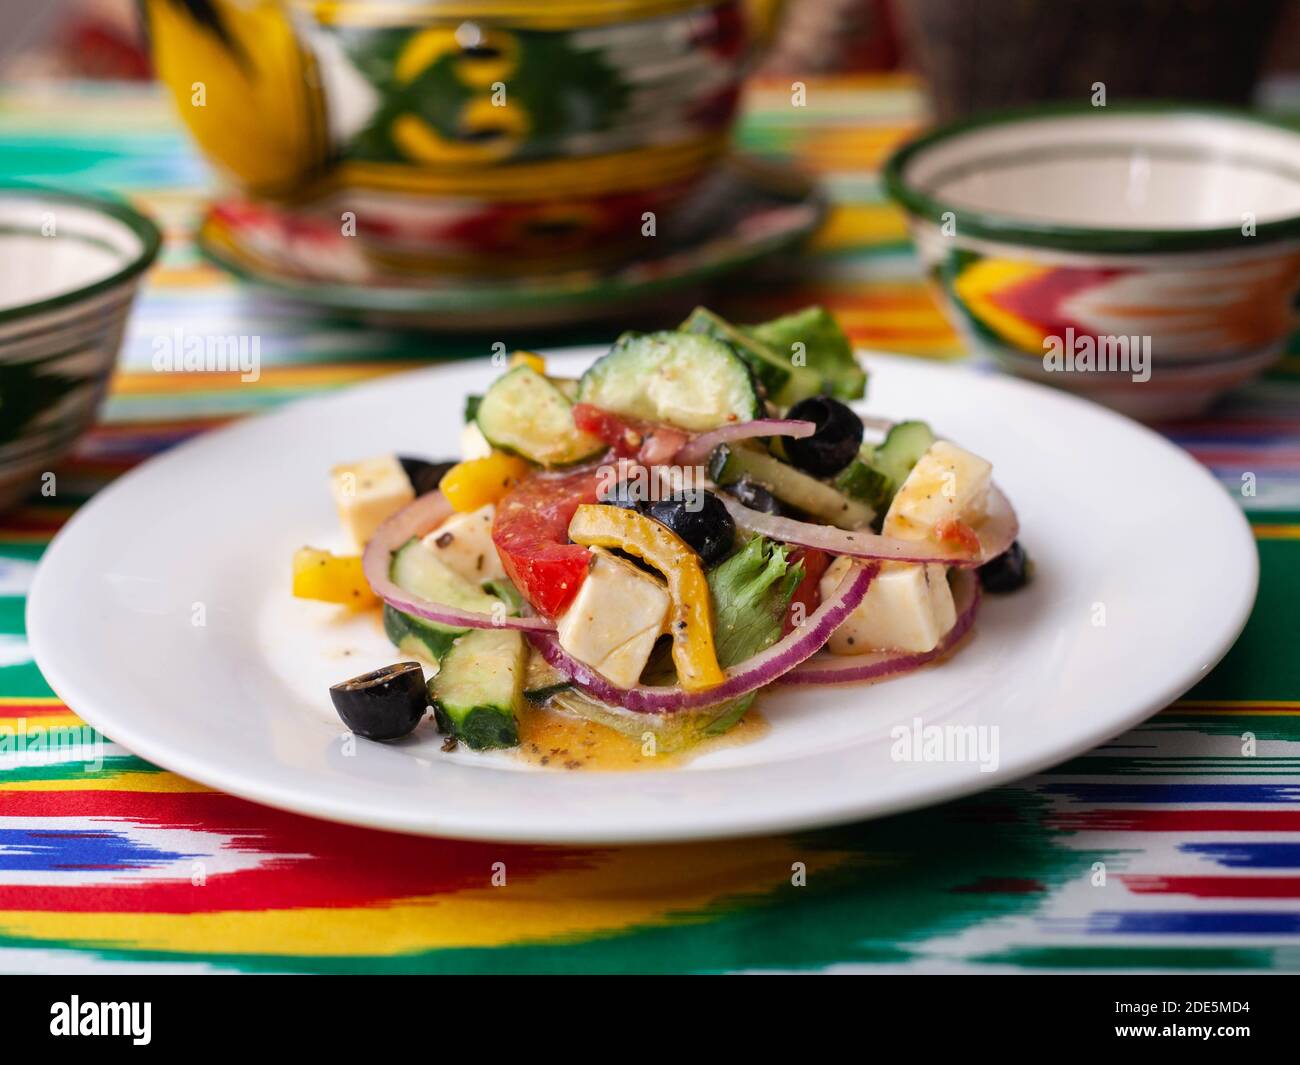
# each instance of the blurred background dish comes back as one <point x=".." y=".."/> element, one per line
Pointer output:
<point x="69" y="270"/>
<point x="744" y="213"/>
<point x="481" y="137"/>
<point x="1165" y="228"/>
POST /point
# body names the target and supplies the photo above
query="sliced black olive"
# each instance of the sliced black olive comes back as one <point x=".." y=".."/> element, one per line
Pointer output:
<point x="700" y="519"/>
<point x="423" y="474"/>
<point x="751" y="494"/>
<point x="833" y="445"/>
<point x="1008" y="572"/>
<point x="626" y="494"/>
<point x="384" y="705"/>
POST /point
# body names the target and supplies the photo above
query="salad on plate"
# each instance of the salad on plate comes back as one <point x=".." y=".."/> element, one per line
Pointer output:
<point x="699" y="516"/>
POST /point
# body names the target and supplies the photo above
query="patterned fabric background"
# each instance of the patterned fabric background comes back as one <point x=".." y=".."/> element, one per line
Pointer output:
<point x="125" y="865"/>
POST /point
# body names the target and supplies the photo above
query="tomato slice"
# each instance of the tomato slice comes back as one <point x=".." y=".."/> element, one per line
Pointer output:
<point x="531" y="533"/>
<point x="807" y="592"/>
<point x="652" y="445"/>
<point x="953" y="531"/>
<point x="622" y="436"/>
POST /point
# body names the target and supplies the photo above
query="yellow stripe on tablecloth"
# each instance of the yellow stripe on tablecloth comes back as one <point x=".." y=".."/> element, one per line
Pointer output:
<point x="771" y="91"/>
<point x="856" y="225"/>
<point x="1276" y="532"/>
<point x="851" y="150"/>
<point x="63" y="719"/>
<point x="622" y="888"/>
<point x="1283" y="707"/>
<point x="198" y="275"/>
<point x="160" y="782"/>
<point x="917" y="319"/>
<point x="146" y="382"/>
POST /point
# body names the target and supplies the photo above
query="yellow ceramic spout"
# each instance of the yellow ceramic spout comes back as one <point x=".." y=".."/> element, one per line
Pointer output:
<point x="245" y="88"/>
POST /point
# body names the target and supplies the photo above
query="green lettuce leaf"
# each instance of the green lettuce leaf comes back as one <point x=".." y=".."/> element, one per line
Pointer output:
<point x="828" y="350"/>
<point x="751" y="592"/>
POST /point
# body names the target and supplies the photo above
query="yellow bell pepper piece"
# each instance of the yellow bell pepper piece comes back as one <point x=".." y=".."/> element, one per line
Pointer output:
<point x="477" y="482"/>
<point x="527" y="358"/>
<point x="330" y="578"/>
<point x="691" y="621"/>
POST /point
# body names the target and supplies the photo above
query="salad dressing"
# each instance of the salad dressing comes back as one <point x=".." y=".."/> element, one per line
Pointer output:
<point x="555" y="740"/>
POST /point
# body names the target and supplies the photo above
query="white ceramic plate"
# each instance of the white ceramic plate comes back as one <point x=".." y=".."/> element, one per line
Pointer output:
<point x="1146" y="571"/>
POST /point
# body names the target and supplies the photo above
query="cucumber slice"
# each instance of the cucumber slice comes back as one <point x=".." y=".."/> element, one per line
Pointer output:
<point x="860" y="481"/>
<point x="729" y="464"/>
<point x="894" y="457"/>
<point x="415" y="636"/>
<point x="504" y="589"/>
<point x="477" y="694"/>
<point x="685" y="379"/>
<point x="526" y="414"/>
<point x="785" y="382"/>
<point x="418" y="570"/>
<point x="543" y="680"/>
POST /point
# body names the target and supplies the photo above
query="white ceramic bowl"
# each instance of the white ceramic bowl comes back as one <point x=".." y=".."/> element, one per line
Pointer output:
<point x="1157" y="235"/>
<point x="69" y="269"/>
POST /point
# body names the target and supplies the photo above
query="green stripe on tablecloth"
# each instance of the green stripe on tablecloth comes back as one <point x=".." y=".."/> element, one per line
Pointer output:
<point x="1264" y="663"/>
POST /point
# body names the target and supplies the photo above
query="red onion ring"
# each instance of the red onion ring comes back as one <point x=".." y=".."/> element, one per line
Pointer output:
<point x="416" y="519"/>
<point x="754" y="673"/>
<point x="844" y="669"/>
<point x="995" y="533"/>
<point x="660" y="445"/>
<point x="999" y="529"/>
<point x="699" y="449"/>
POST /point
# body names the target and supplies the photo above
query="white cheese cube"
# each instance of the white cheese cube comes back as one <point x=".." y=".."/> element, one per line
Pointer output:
<point x="907" y="608"/>
<point x="946" y="484"/>
<point x="464" y="545"/>
<point x="615" y="619"/>
<point x="473" y="444"/>
<point x="368" y="493"/>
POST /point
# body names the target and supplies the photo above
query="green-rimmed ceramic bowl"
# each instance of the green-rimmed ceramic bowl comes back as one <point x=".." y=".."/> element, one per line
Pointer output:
<point x="1147" y="255"/>
<point x="69" y="269"/>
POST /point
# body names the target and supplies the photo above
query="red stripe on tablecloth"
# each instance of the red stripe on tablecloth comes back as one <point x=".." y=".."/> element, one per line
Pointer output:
<point x="1176" y="821"/>
<point x="1217" y="887"/>
<point x="306" y="862"/>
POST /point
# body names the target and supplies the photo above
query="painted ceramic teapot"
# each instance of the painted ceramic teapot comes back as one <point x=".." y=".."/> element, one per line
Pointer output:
<point x="467" y="135"/>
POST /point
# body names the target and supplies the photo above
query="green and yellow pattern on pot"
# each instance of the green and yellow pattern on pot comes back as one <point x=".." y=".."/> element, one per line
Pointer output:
<point x="1170" y="234"/>
<point x="501" y="129"/>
